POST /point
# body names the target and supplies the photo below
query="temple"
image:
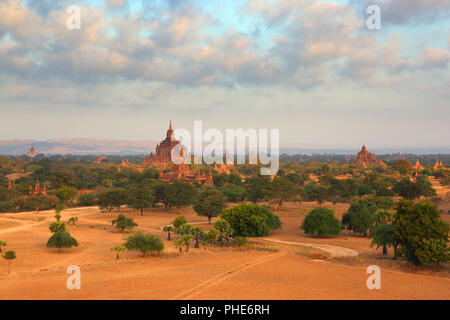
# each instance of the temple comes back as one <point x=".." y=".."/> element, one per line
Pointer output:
<point x="10" y="184"/>
<point x="163" y="150"/>
<point x="32" y="153"/>
<point x="223" y="168"/>
<point x="438" y="165"/>
<point x="365" y="158"/>
<point x="37" y="190"/>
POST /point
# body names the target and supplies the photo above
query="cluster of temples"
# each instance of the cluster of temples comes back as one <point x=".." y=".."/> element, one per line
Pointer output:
<point x="366" y="158"/>
<point x="185" y="173"/>
<point x="37" y="190"/>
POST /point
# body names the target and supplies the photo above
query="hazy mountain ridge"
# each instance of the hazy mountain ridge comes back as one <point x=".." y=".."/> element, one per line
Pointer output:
<point x="77" y="146"/>
<point x="84" y="146"/>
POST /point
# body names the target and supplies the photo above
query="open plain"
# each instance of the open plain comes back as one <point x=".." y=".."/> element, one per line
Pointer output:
<point x="286" y="265"/>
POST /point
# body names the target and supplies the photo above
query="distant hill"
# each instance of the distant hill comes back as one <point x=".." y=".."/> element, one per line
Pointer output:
<point x="77" y="146"/>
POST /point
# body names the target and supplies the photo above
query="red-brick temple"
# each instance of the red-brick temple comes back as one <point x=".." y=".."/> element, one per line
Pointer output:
<point x="163" y="150"/>
<point x="99" y="159"/>
<point x="37" y="189"/>
<point x="10" y="184"/>
<point x="185" y="173"/>
<point x="223" y="168"/>
<point x="438" y="165"/>
<point x="365" y="158"/>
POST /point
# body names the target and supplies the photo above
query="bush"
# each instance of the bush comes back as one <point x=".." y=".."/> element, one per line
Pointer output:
<point x="6" y="207"/>
<point x="144" y="243"/>
<point x="86" y="200"/>
<point x="61" y="240"/>
<point x="251" y="220"/>
<point x="123" y="223"/>
<point x="239" y="241"/>
<point x="322" y="223"/>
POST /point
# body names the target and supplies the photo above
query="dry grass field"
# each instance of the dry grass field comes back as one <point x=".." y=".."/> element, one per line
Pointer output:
<point x="286" y="265"/>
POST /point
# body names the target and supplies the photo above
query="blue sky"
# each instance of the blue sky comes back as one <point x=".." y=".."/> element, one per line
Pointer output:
<point x="308" y="67"/>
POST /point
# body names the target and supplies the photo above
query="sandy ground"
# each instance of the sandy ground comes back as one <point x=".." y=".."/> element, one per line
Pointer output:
<point x="273" y="268"/>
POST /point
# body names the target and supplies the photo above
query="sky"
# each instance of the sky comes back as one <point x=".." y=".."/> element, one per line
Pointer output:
<point x="310" y="68"/>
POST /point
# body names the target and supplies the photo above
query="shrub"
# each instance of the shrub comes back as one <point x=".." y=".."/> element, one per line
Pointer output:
<point x="322" y="223"/>
<point x="123" y="223"/>
<point x="239" y="241"/>
<point x="144" y="243"/>
<point x="61" y="239"/>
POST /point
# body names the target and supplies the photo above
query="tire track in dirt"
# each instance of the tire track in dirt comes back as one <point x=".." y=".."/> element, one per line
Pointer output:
<point x="188" y="294"/>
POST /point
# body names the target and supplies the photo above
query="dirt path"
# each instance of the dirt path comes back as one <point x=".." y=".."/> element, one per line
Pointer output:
<point x="334" y="251"/>
<point x="20" y="228"/>
<point x="189" y="294"/>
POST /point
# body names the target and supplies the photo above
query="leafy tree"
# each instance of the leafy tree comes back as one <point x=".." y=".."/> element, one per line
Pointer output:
<point x="65" y="193"/>
<point x="168" y="229"/>
<point x="282" y="189"/>
<point x="322" y="223"/>
<point x="2" y="244"/>
<point x="180" y="194"/>
<point x="362" y="220"/>
<point x="234" y="193"/>
<point x="118" y="250"/>
<point x="225" y="231"/>
<point x="123" y="223"/>
<point x="61" y="178"/>
<point x="257" y="188"/>
<point x="180" y="220"/>
<point x="141" y="198"/>
<point x="251" y="220"/>
<point x="9" y="256"/>
<point x="316" y="192"/>
<point x="57" y="227"/>
<point x="384" y="236"/>
<point x="210" y="203"/>
<point x="61" y="239"/>
<point x="425" y="187"/>
<point x="184" y="239"/>
<point x="421" y="233"/>
<point x="144" y="243"/>
<point x="198" y="235"/>
<point x="86" y="200"/>
<point x="212" y="235"/>
<point x="111" y="199"/>
<point x="240" y="241"/>
<point x="408" y="189"/>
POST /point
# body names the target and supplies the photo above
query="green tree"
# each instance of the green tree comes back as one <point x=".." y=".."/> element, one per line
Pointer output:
<point x="118" y="250"/>
<point x="86" y="200"/>
<point x="65" y="193"/>
<point x="168" y="229"/>
<point x="408" y="189"/>
<point x="421" y="233"/>
<point x="111" y="199"/>
<point x="141" y="198"/>
<point x="2" y="244"/>
<point x="9" y="256"/>
<point x="61" y="178"/>
<point x="251" y="220"/>
<point x="240" y="241"/>
<point x="282" y="189"/>
<point x="180" y="194"/>
<point x="57" y="227"/>
<point x="144" y="243"/>
<point x="60" y="240"/>
<point x="184" y="240"/>
<point x="322" y="223"/>
<point x="225" y="231"/>
<point x="210" y="203"/>
<point x="178" y="221"/>
<point x="212" y="235"/>
<point x="257" y="188"/>
<point x="123" y="223"/>
<point x="198" y="235"/>
<point x="384" y="236"/>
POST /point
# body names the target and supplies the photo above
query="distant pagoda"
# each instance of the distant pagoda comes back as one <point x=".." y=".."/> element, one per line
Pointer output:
<point x="32" y="153"/>
<point x="366" y="158"/>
